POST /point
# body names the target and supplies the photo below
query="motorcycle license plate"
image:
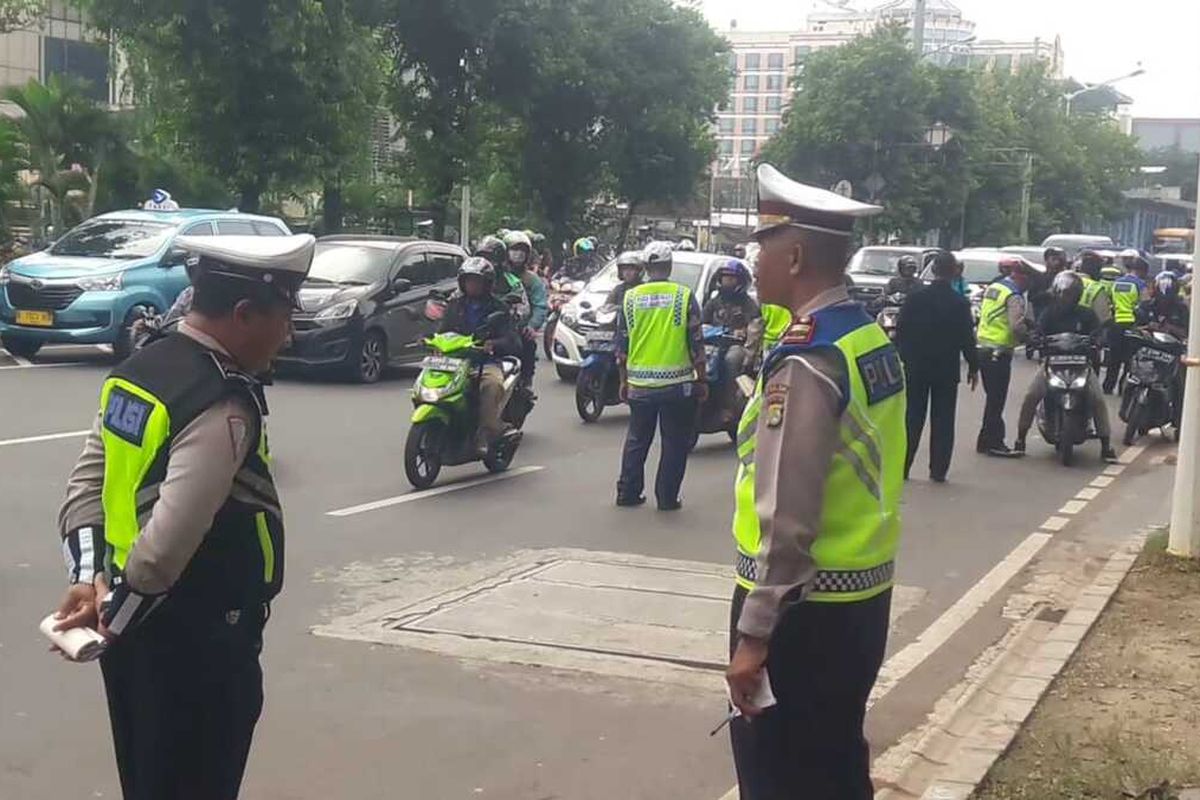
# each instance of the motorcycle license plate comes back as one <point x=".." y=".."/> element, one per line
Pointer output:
<point x="1068" y="361"/>
<point x="710" y="350"/>
<point x="441" y="363"/>
<point x="1150" y="354"/>
<point x="600" y="346"/>
<point x="40" y="319"/>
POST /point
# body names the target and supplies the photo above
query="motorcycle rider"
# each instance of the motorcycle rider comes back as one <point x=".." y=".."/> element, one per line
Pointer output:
<point x="519" y="250"/>
<point x="1039" y="295"/>
<point x="1066" y="314"/>
<point x="631" y="267"/>
<point x="734" y="309"/>
<point x="1128" y="292"/>
<point x="583" y="255"/>
<point x="543" y="259"/>
<point x="906" y="281"/>
<point x="475" y="307"/>
<point x="1165" y="311"/>
<point x="507" y="287"/>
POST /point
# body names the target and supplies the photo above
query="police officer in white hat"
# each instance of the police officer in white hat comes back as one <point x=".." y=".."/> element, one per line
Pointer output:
<point x="172" y="526"/>
<point x="821" y="448"/>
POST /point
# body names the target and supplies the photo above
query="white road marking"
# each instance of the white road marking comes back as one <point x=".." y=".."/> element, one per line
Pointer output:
<point x="21" y="362"/>
<point x="48" y="437"/>
<point x="27" y="365"/>
<point x="1130" y="454"/>
<point x="1087" y="493"/>
<point x="1114" y="469"/>
<point x="1055" y="523"/>
<point x="1072" y="507"/>
<point x="1102" y="481"/>
<point x="414" y="496"/>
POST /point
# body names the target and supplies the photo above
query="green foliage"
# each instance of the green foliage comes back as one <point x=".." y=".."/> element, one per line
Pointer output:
<point x="1181" y="170"/>
<point x="17" y="14"/>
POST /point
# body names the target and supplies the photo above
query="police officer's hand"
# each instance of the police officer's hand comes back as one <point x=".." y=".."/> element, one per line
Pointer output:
<point x="623" y="392"/>
<point x="745" y="674"/>
<point x="78" y="609"/>
<point x="702" y="391"/>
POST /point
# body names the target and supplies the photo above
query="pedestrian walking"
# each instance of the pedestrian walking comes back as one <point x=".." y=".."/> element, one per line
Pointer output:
<point x="817" y="522"/>
<point x="933" y="332"/>
<point x="1003" y="324"/>
<point x="173" y="530"/>
<point x="660" y="352"/>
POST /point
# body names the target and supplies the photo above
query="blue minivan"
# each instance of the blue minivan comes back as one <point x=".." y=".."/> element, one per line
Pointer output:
<point x="92" y="284"/>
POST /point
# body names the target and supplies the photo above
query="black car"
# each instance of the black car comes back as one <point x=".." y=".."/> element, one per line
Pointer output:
<point x="362" y="306"/>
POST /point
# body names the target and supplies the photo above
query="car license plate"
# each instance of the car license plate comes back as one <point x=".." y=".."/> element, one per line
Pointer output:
<point x="1068" y="361"/>
<point x="41" y="319"/>
<point x="441" y="363"/>
<point x="601" y="336"/>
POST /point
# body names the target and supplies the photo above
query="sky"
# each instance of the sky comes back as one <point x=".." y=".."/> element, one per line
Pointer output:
<point x="1101" y="40"/>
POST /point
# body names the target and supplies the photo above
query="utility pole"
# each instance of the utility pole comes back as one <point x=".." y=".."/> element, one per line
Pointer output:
<point x="1185" y="504"/>
<point x="918" y="27"/>
<point x="1026" y="193"/>
<point x="464" y="227"/>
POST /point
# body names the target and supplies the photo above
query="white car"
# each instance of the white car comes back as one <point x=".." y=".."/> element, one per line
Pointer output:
<point x="692" y="269"/>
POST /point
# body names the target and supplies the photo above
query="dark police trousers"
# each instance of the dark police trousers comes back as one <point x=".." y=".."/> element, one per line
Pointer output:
<point x="823" y="660"/>
<point x="940" y="398"/>
<point x="676" y="417"/>
<point x="995" y="371"/>
<point x="1118" y="354"/>
<point x="184" y="693"/>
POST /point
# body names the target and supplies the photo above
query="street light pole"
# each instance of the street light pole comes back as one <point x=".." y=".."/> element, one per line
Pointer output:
<point x="1185" y="505"/>
<point x="1026" y="194"/>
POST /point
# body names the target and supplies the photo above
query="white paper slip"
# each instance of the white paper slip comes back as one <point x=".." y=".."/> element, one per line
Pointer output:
<point x="79" y="644"/>
<point x="764" y="698"/>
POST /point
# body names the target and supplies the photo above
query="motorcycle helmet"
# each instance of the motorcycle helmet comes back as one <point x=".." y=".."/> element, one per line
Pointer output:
<point x="739" y="251"/>
<point x="1067" y="288"/>
<point x="480" y="266"/>
<point x="539" y="242"/>
<point x="582" y="246"/>
<point x="658" y="255"/>
<point x="1110" y="273"/>
<point x="736" y="268"/>
<point x="1166" y="286"/>
<point x="1090" y="263"/>
<point x="907" y="266"/>
<point x="1054" y="252"/>
<point x="686" y="245"/>
<point x="631" y="260"/>
<point x="519" y="249"/>
<point x="493" y="249"/>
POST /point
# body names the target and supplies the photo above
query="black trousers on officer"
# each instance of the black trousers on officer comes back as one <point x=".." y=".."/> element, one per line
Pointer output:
<point x="823" y="661"/>
<point x="676" y="419"/>
<point x="940" y="398"/>
<point x="995" y="370"/>
<point x="184" y="693"/>
<point x="1118" y="355"/>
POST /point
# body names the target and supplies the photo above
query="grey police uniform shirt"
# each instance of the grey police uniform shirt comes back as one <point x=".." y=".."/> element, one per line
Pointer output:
<point x="203" y="460"/>
<point x="792" y="459"/>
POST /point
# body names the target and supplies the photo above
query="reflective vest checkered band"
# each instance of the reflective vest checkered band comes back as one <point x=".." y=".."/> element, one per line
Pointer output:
<point x="638" y="373"/>
<point x="830" y="581"/>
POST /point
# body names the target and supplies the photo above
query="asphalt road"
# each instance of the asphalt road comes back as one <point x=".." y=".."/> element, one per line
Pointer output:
<point x="351" y="719"/>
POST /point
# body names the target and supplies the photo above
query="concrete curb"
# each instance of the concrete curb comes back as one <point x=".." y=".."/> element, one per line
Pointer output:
<point x="955" y="753"/>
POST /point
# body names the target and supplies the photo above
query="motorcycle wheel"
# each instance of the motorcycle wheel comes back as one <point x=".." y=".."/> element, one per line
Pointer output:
<point x="1067" y="436"/>
<point x="589" y="397"/>
<point x="1133" y="426"/>
<point x="423" y="453"/>
<point x="500" y="458"/>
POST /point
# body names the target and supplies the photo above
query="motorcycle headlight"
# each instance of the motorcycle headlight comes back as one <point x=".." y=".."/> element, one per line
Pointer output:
<point x="343" y="310"/>
<point x="102" y="283"/>
<point x="1056" y="381"/>
<point x="569" y="319"/>
<point x="1079" y="381"/>
<point x="428" y="394"/>
<point x="577" y="287"/>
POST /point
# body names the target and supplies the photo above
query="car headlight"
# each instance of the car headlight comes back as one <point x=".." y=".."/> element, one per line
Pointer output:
<point x="1057" y="381"/>
<point x="342" y="310"/>
<point x="102" y="283"/>
<point x="3" y="276"/>
<point x="1079" y="382"/>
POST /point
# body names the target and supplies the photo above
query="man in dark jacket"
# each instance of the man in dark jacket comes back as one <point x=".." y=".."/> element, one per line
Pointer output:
<point x="934" y="328"/>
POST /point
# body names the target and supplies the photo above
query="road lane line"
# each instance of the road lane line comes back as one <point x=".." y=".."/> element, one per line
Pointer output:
<point x="1087" y="493"/>
<point x="1114" y="470"/>
<point x="1073" y="507"/>
<point x="27" y="365"/>
<point x="414" y="496"/>
<point x="1055" y="523"/>
<point x="1102" y="481"/>
<point x="21" y="362"/>
<point x="1130" y="454"/>
<point x="48" y="437"/>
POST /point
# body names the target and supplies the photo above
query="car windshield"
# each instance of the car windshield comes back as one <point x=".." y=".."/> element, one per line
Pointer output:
<point x="686" y="273"/>
<point x="877" y="261"/>
<point x="342" y="263"/>
<point x="113" y="238"/>
<point x="978" y="269"/>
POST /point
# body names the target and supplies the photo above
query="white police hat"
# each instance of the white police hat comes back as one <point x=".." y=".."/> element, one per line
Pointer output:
<point x="281" y="262"/>
<point x="785" y="202"/>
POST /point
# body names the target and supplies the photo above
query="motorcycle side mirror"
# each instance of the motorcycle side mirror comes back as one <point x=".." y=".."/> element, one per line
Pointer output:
<point x="435" y="309"/>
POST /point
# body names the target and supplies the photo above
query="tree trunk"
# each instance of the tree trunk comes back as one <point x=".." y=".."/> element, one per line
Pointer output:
<point x="440" y="207"/>
<point x="250" y="195"/>
<point x="334" y="207"/>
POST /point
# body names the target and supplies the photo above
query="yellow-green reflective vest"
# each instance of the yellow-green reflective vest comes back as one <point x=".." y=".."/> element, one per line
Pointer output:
<point x="994" y="326"/>
<point x="855" y="547"/>
<point x="656" y="322"/>
<point x="776" y="321"/>
<point x="144" y="404"/>
<point x="1091" y="290"/>
<point x="1127" y="293"/>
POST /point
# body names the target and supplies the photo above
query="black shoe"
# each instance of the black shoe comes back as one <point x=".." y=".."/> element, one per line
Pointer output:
<point x="981" y="448"/>
<point x="1019" y="446"/>
<point x="673" y="505"/>
<point x="630" y="502"/>
<point x="1108" y="454"/>
<point x="938" y="478"/>
<point x="1002" y="451"/>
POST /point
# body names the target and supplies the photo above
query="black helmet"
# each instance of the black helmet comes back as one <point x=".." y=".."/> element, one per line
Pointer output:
<point x="1067" y="288"/>
<point x="659" y="254"/>
<point x="1052" y="252"/>
<point x="539" y="242"/>
<point x="477" y="265"/>
<point x="1090" y="264"/>
<point x="493" y="249"/>
<point x="907" y="265"/>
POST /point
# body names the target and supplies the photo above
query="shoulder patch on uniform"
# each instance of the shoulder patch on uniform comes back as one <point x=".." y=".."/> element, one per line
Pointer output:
<point x="801" y="332"/>
<point x="126" y="415"/>
<point x="882" y="373"/>
<point x="775" y="399"/>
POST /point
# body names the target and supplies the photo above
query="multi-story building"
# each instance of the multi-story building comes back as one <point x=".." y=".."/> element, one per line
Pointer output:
<point x="1011" y="56"/>
<point x="60" y="44"/>
<point x="1153" y="134"/>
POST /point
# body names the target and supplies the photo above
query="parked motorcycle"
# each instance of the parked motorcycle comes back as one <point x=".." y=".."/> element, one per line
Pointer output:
<point x="1064" y="415"/>
<point x="445" y="420"/>
<point x="889" y="313"/>
<point x="717" y="413"/>
<point x="1153" y="393"/>
<point x="599" y="381"/>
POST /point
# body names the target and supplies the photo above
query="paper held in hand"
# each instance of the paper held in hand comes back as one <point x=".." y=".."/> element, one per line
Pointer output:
<point x="79" y="644"/>
<point x="763" y="698"/>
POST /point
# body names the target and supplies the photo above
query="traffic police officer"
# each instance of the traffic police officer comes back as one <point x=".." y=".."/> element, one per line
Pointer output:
<point x="1095" y="297"/>
<point x="660" y="353"/>
<point x="821" y="447"/>
<point x="1003" y="324"/>
<point x="1127" y="292"/>
<point x="172" y="520"/>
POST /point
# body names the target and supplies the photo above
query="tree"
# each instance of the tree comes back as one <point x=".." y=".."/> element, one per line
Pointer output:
<point x="17" y="14"/>
<point x="1181" y="169"/>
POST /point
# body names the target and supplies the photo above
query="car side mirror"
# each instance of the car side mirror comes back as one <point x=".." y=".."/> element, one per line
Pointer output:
<point x="175" y="257"/>
<point x="401" y="284"/>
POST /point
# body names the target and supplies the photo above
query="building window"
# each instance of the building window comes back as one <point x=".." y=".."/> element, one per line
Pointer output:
<point x="773" y="104"/>
<point x="774" y="83"/>
<point x="725" y="125"/>
<point x="85" y="61"/>
<point x="750" y="105"/>
<point x="733" y="61"/>
<point x="749" y="126"/>
<point x="727" y="147"/>
<point x="771" y="127"/>
<point x="750" y="83"/>
<point x="800" y="52"/>
<point x="753" y="61"/>
<point x="748" y="146"/>
<point x="775" y="62"/>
